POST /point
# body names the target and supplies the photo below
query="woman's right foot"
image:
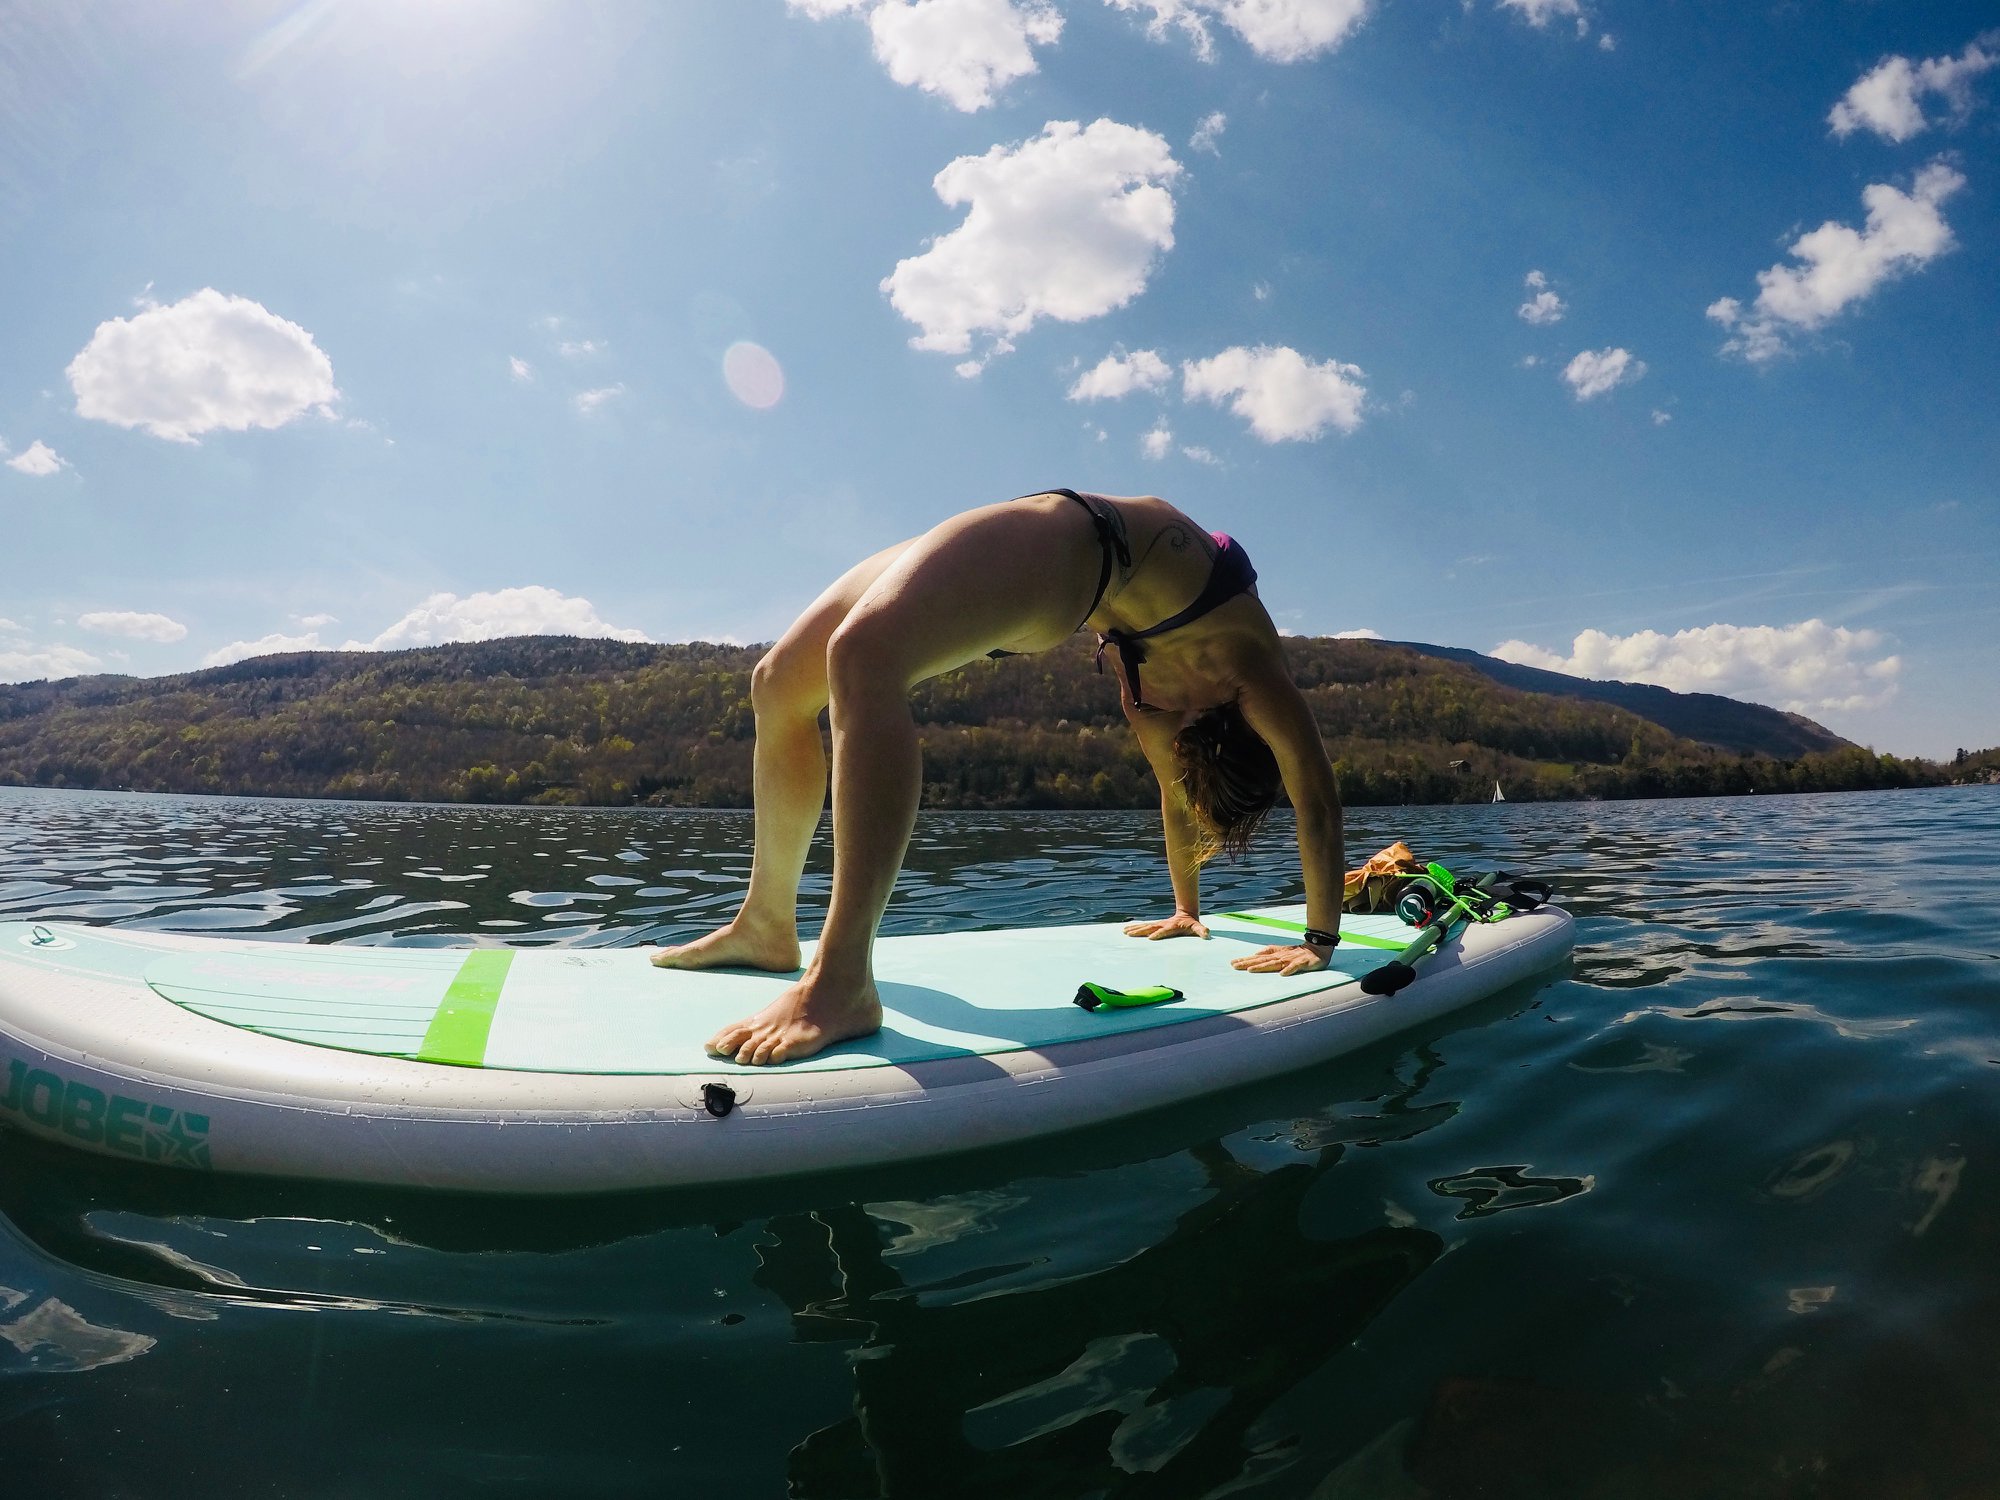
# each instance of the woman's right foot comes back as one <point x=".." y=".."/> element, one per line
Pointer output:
<point x="740" y="945"/>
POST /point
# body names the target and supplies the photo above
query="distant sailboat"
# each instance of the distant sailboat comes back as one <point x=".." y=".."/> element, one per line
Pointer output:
<point x="1498" y="795"/>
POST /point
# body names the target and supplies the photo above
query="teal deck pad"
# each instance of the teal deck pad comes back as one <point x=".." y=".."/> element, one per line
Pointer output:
<point x="608" y="1010"/>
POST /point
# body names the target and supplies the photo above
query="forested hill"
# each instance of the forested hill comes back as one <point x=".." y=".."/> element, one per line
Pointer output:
<point x="1726" y="723"/>
<point x="559" y="719"/>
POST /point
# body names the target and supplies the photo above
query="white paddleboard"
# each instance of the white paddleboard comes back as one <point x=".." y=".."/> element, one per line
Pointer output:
<point x="582" y="1070"/>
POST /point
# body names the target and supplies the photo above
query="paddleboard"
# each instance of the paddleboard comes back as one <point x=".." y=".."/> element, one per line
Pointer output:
<point x="582" y="1070"/>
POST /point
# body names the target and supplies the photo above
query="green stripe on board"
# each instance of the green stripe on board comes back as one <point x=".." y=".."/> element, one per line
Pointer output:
<point x="458" y="1031"/>
<point x="1359" y="939"/>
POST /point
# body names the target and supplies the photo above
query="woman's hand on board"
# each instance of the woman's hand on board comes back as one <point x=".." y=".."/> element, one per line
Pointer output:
<point x="1180" y="924"/>
<point x="1283" y="958"/>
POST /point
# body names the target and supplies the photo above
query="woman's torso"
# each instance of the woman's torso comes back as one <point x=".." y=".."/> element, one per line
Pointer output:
<point x="1173" y="558"/>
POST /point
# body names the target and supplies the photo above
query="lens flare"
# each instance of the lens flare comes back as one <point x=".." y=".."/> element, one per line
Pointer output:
<point x="753" y="375"/>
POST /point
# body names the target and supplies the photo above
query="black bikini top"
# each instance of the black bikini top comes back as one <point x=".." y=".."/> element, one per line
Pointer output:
<point x="1231" y="575"/>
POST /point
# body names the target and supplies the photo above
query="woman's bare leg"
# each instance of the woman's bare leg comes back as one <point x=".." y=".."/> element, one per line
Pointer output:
<point x="788" y="689"/>
<point x="1017" y="575"/>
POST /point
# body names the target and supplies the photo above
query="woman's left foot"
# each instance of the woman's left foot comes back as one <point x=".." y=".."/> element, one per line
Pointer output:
<point x="809" y="1017"/>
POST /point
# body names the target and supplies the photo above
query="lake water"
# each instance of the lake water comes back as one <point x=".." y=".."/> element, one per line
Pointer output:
<point x="1717" y="1214"/>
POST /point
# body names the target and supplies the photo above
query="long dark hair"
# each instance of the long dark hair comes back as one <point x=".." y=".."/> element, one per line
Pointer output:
<point x="1229" y="776"/>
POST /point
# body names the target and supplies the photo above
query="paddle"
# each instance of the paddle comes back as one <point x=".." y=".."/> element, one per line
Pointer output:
<point x="1401" y="970"/>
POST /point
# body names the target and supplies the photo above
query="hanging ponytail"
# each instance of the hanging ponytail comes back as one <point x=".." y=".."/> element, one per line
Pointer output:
<point x="1229" y="777"/>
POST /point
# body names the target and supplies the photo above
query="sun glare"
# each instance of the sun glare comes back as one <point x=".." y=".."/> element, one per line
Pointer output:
<point x="753" y="375"/>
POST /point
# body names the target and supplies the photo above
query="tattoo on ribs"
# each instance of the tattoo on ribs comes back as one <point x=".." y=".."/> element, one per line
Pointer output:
<point x="1177" y="538"/>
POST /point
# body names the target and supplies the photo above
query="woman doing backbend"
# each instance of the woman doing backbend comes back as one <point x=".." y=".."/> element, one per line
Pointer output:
<point x="1201" y="675"/>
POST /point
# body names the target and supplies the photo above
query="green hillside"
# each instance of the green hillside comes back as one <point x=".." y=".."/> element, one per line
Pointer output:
<point x="564" y="720"/>
<point x="1975" y="767"/>
<point x="1708" y="718"/>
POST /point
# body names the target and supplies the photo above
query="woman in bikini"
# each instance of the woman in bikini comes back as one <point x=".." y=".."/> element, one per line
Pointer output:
<point x="1217" y="714"/>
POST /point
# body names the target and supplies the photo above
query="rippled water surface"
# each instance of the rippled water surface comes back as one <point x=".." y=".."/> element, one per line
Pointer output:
<point x="1717" y="1214"/>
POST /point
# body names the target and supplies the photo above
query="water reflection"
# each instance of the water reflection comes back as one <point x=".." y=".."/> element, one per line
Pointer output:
<point x="1158" y="1364"/>
<point x="54" y="1338"/>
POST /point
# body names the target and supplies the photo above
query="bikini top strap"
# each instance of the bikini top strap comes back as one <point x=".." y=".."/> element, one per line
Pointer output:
<point x="1111" y="545"/>
<point x="1110" y="539"/>
<point x="1130" y="655"/>
<point x="1229" y="575"/>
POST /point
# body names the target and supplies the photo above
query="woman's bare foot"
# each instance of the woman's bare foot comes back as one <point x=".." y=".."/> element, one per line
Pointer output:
<point x="809" y="1017"/>
<point x="741" y="944"/>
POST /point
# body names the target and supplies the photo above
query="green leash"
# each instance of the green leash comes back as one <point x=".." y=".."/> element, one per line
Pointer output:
<point x="1104" y="997"/>
<point x="1359" y="939"/>
<point x="1470" y="903"/>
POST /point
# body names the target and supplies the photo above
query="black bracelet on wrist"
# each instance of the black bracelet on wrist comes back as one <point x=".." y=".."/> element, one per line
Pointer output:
<point x="1317" y="939"/>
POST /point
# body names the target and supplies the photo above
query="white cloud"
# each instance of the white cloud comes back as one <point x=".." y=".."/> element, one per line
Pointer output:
<point x="521" y="368"/>
<point x="38" y="460"/>
<point x="443" y="618"/>
<point x="9" y="625"/>
<point x="314" y="622"/>
<point x="132" y="625"/>
<point x="269" y="645"/>
<point x="1187" y="16"/>
<point x="26" y="663"/>
<point x="532" y="610"/>
<point x="1545" y="306"/>
<point x="1276" y="30"/>
<point x="1839" y="266"/>
<point x="963" y="51"/>
<point x="1208" y="132"/>
<point x="1278" y="391"/>
<point x="579" y="348"/>
<point x="1261" y="291"/>
<point x="206" y="362"/>
<point x="1201" y="455"/>
<point x="1886" y="99"/>
<point x="1067" y="226"/>
<point x="1115" y="376"/>
<point x="1594" y="372"/>
<point x="1810" y="667"/>
<point x="1363" y="634"/>
<point x="1158" y="442"/>
<point x="1540" y="12"/>
<point x="587" y="402"/>
<point x="1661" y="418"/>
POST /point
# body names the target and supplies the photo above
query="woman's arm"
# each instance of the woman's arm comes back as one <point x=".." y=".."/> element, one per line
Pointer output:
<point x="1156" y="739"/>
<point x="1273" y="706"/>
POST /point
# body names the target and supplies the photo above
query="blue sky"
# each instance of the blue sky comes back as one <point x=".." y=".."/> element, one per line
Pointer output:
<point x="1649" y="341"/>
